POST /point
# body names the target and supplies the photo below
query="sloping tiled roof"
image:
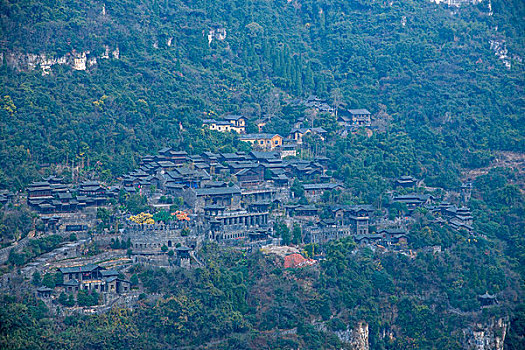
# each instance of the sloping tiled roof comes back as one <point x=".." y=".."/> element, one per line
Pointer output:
<point x="233" y="117"/>
<point x="75" y="269"/>
<point x="72" y="283"/>
<point x="258" y="136"/>
<point x="107" y="273"/>
<point x="217" y="191"/>
<point x="359" y="111"/>
<point x="323" y="186"/>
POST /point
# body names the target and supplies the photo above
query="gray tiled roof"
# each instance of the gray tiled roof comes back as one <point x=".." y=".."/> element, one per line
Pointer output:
<point x="217" y="191"/>
<point x="257" y="136"/>
<point x="76" y="269"/>
<point x="359" y="111"/>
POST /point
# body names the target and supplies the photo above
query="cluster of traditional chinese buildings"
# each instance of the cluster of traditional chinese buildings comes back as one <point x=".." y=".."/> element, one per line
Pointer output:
<point x="53" y="195"/>
<point x="231" y="197"/>
<point x="234" y="199"/>
<point x="348" y="119"/>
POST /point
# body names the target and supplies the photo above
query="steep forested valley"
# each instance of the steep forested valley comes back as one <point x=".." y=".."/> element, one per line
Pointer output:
<point x="376" y="146"/>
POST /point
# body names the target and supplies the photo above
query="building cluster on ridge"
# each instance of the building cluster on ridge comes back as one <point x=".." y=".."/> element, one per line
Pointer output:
<point x="235" y="199"/>
<point x="238" y="199"/>
<point x="349" y="120"/>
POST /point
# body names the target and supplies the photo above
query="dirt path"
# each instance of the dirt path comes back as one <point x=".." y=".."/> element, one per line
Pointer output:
<point x="511" y="160"/>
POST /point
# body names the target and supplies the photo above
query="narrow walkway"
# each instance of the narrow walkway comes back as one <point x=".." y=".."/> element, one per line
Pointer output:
<point x="192" y="254"/>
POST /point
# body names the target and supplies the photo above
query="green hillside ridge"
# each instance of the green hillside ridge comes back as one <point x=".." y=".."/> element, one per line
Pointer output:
<point x="436" y="75"/>
<point x="444" y="103"/>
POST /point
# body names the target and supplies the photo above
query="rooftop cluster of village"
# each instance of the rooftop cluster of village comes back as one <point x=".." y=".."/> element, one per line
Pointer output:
<point x="349" y="120"/>
<point x="162" y="212"/>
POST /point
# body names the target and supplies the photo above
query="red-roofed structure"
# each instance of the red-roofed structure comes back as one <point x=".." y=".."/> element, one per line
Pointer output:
<point x="293" y="261"/>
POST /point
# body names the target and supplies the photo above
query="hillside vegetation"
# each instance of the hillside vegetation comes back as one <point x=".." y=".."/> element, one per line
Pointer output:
<point x="130" y="76"/>
<point x="431" y="68"/>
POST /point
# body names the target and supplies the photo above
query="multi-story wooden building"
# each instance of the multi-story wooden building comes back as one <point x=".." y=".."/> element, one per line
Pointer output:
<point x="235" y="123"/>
<point x="93" y="278"/>
<point x="263" y="141"/>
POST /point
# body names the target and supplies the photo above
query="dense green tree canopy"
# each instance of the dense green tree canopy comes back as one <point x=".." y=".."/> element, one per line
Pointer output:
<point x="431" y="68"/>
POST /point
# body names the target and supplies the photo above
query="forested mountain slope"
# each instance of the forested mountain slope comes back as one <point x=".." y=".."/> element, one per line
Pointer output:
<point x="242" y="301"/>
<point x="104" y="83"/>
<point x="161" y="63"/>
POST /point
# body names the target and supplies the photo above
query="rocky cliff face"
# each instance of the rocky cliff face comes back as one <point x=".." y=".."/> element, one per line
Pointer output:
<point x="218" y="34"/>
<point x="457" y="3"/>
<point x="44" y="62"/>
<point x="486" y="336"/>
<point x="356" y="338"/>
<point x="359" y="337"/>
<point x="500" y="49"/>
